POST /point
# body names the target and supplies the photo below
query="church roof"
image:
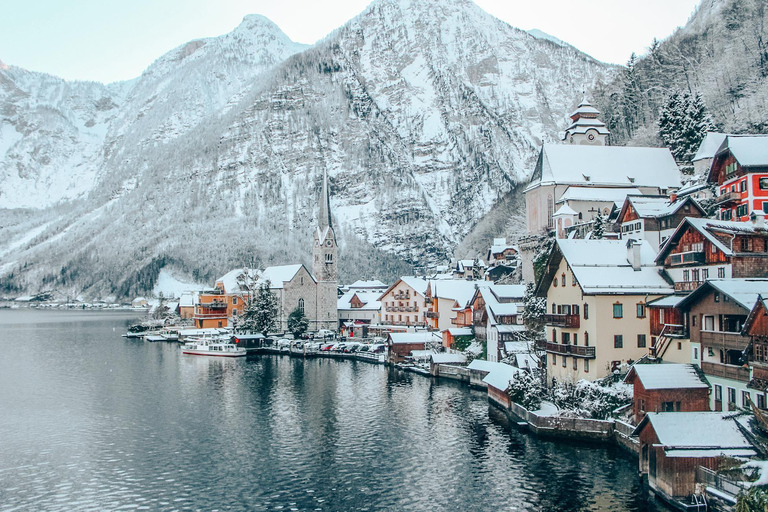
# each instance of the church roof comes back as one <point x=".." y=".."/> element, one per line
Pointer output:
<point x="324" y="217"/>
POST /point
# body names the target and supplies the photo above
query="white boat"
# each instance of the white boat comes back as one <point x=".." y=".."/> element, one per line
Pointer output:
<point x="212" y="347"/>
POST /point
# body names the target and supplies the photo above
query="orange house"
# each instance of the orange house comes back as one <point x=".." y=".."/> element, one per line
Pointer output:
<point x="225" y="302"/>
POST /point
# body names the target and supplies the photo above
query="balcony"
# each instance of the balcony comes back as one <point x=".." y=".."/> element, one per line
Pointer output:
<point x="569" y="321"/>
<point x="687" y="258"/>
<point x="726" y="371"/>
<point x="687" y="286"/>
<point x="724" y="339"/>
<point x="571" y="350"/>
<point x="432" y="314"/>
<point x="210" y="315"/>
<point x="759" y="370"/>
<point x="213" y="305"/>
<point x="728" y="198"/>
<point x="402" y="296"/>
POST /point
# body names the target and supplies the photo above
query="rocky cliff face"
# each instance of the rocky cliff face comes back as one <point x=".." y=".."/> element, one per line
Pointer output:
<point x="424" y="113"/>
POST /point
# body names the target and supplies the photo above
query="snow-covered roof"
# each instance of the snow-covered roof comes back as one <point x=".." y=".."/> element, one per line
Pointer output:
<point x="229" y="280"/>
<point x="656" y="206"/>
<point x="598" y="194"/>
<point x="459" y="290"/>
<point x="709" y="146"/>
<point x="666" y="302"/>
<point x="749" y="150"/>
<point x="526" y="361"/>
<point x="602" y="267"/>
<point x="585" y="108"/>
<point x="516" y="347"/>
<point x="500" y="376"/>
<point x="369" y="298"/>
<point x="509" y="328"/>
<point x="415" y="337"/>
<point x="188" y="299"/>
<point x="500" y="245"/>
<point x="460" y="331"/>
<point x="449" y="358"/>
<point x="710" y="432"/>
<point x="464" y="265"/>
<point x="279" y="275"/>
<point x="362" y="285"/>
<point x="564" y="210"/>
<point x="482" y="365"/>
<point x="618" y="166"/>
<point x="744" y="290"/>
<point x="418" y="284"/>
<point x="667" y="376"/>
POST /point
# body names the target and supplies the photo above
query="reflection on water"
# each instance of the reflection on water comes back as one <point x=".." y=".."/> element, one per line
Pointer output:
<point x="93" y="421"/>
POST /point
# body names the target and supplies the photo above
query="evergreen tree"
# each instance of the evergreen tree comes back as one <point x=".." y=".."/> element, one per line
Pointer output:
<point x="297" y="323"/>
<point x="535" y="309"/>
<point x="598" y="229"/>
<point x="260" y="314"/>
<point x="683" y="124"/>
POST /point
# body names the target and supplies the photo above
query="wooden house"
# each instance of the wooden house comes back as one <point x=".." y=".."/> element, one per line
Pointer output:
<point x="756" y="327"/>
<point x="667" y="388"/>
<point x="404" y="304"/>
<point x="401" y="344"/>
<point x="674" y="444"/>
<point x="654" y="218"/>
<point x="740" y="171"/>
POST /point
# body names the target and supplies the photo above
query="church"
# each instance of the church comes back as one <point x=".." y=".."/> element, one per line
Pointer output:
<point x="294" y="286"/>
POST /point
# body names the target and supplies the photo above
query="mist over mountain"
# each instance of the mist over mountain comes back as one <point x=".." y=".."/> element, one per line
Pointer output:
<point x="425" y="114"/>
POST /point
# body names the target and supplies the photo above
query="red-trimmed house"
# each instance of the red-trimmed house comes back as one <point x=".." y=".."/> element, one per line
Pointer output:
<point x="740" y="170"/>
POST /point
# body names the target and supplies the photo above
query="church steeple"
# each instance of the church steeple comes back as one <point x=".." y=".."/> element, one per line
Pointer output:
<point x="324" y="218"/>
<point x="325" y="261"/>
<point x="586" y="128"/>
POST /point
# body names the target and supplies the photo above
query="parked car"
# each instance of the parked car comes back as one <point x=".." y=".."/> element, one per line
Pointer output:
<point x="326" y="347"/>
<point x="377" y="349"/>
<point x="363" y="348"/>
<point x="325" y="333"/>
<point x="351" y="347"/>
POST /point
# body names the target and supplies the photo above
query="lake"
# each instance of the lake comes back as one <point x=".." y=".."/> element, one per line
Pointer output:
<point x="93" y="421"/>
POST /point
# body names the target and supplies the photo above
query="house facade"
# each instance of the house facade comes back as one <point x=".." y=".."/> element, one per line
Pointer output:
<point x="597" y="293"/>
<point x="404" y="304"/>
<point x="740" y="172"/>
<point x="655" y="218"/>
<point x="667" y="388"/>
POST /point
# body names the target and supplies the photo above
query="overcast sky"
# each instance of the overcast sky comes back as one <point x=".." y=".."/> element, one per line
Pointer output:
<point x="106" y="40"/>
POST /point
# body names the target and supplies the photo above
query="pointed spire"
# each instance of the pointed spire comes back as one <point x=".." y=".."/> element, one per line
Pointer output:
<point x="324" y="218"/>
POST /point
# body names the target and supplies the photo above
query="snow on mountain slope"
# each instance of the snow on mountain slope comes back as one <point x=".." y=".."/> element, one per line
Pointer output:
<point x="424" y="113"/>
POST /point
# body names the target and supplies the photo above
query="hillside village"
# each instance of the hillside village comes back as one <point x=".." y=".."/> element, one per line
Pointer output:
<point x="632" y="312"/>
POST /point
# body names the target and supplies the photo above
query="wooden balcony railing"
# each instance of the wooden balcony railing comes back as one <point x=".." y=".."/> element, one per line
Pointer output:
<point x="687" y="258"/>
<point x="723" y="339"/>
<point x="727" y="371"/>
<point x="569" y="321"/>
<point x="728" y="197"/>
<point x="432" y="314"/>
<point x="687" y="286"/>
<point x="571" y="350"/>
<point x="213" y="305"/>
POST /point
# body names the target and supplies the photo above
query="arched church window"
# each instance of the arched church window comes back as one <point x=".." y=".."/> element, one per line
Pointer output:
<point x="301" y="305"/>
<point x="550" y="210"/>
<point x="329" y="258"/>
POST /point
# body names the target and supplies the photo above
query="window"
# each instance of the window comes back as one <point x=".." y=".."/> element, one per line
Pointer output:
<point x="718" y="393"/>
<point x="586" y="366"/>
<point x="716" y="297"/>
<point x="641" y="341"/>
<point x="763" y="183"/>
<point x="575" y="338"/>
<point x="234" y="301"/>
<point x="618" y="310"/>
<point x="554" y="309"/>
<point x="721" y="272"/>
<point x="575" y="364"/>
<point x="743" y="186"/>
<point x="746" y="245"/>
<point x="640" y="310"/>
<point x="765" y="206"/>
<point x="695" y="274"/>
<point x="555" y="283"/>
<point x="564" y="361"/>
<point x="745" y="399"/>
<point x="554" y="359"/>
<point x="586" y="339"/>
<point x="693" y="321"/>
<point x="686" y="275"/>
<point x="329" y="257"/>
<point x="761" y="401"/>
<point x="618" y="341"/>
<point x="563" y="278"/>
<point x="575" y="309"/>
<point x="586" y="311"/>
<point x="732" y="397"/>
<point x="554" y="335"/>
<point x="301" y="305"/>
<point x="550" y="211"/>
<point x="566" y="337"/>
<point x="695" y="353"/>
<point x="704" y="274"/>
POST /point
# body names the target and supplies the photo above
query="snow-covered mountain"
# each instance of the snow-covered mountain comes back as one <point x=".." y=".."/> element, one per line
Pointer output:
<point x="424" y="113"/>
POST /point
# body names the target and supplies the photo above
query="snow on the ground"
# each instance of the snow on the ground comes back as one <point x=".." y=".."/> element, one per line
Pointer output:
<point x="31" y="234"/>
<point x="547" y="409"/>
<point x="173" y="286"/>
<point x="762" y="469"/>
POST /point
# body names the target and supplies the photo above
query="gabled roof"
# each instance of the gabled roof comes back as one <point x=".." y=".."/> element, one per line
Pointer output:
<point x="649" y="207"/>
<point x="601" y="166"/>
<point x="459" y="290"/>
<point x="743" y="292"/>
<point x="415" y="337"/>
<point x="230" y="279"/>
<point x="369" y="298"/>
<point x="501" y="375"/>
<point x="417" y="284"/>
<point x="598" y="194"/>
<point x="363" y="285"/>
<point x="760" y="308"/>
<point x="666" y="376"/>
<point x="709" y="146"/>
<point x="749" y="150"/>
<point x="277" y="276"/>
<point x="708" y="228"/>
<point x="602" y="267"/>
<point x="564" y="210"/>
<point x="449" y="358"/>
<point x="696" y="432"/>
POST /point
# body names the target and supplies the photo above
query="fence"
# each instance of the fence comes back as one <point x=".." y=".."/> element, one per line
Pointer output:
<point x="714" y="481"/>
<point x="575" y="428"/>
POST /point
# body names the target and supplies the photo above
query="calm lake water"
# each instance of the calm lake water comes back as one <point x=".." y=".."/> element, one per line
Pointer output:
<point x="92" y="421"/>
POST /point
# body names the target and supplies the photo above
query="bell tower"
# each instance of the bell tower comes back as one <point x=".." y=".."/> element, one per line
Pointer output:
<point x="325" y="263"/>
<point x="586" y="129"/>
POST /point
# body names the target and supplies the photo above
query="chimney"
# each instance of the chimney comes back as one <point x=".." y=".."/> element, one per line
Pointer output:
<point x="633" y="253"/>
<point x="672" y="197"/>
<point x="758" y="219"/>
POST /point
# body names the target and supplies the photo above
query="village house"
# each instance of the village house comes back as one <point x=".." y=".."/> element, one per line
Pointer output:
<point x="225" y="301"/>
<point x="502" y="253"/>
<point x="673" y="445"/>
<point x="498" y="380"/>
<point x="401" y="344"/>
<point x="446" y="358"/>
<point x="403" y="304"/>
<point x="717" y="312"/>
<point x="597" y="293"/>
<point x="667" y="388"/>
<point x="447" y="300"/>
<point x="756" y="327"/>
<point x="359" y="308"/>
<point x="470" y="269"/>
<point x="655" y="218"/>
<point x="187" y="304"/>
<point x="701" y="249"/>
<point x="740" y="171"/>
<point x="670" y="340"/>
<point x="498" y="317"/>
<point x="455" y="334"/>
<point x="710" y="145"/>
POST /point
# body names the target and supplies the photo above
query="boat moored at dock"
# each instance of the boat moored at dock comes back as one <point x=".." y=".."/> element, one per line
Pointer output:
<point x="212" y="347"/>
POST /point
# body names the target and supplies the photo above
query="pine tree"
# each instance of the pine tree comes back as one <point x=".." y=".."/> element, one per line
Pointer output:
<point x="297" y="323"/>
<point x="683" y="124"/>
<point x="598" y="228"/>
<point x="535" y="309"/>
<point x="260" y="314"/>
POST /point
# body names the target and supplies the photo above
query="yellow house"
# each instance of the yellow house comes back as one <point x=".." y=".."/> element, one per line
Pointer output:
<point x="596" y="292"/>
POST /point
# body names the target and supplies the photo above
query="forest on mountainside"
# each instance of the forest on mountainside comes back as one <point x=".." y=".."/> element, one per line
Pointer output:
<point x="720" y="55"/>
